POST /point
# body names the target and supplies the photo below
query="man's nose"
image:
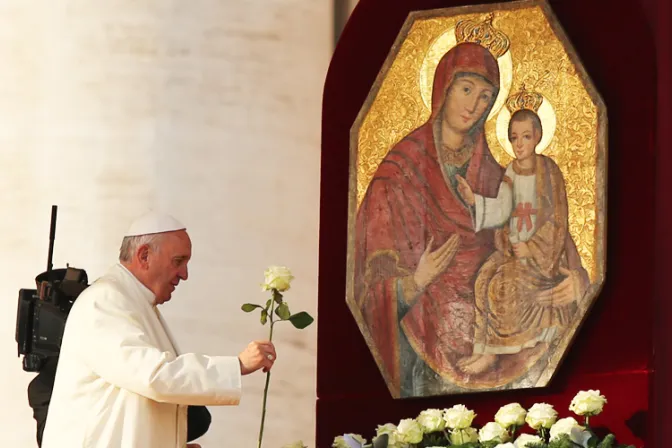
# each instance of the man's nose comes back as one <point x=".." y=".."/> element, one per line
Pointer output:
<point x="184" y="273"/>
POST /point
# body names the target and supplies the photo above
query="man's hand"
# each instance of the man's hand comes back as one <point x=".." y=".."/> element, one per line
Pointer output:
<point x="257" y="355"/>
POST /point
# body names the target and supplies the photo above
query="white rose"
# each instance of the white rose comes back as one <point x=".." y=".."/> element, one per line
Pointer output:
<point x="492" y="431"/>
<point x="511" y="414"/>
<point x="505" y="445"/>
<point x="563" y="426"/>
<point x="298" y="444"/>
<point x="458" y="417"/>
<point x="541" y="415"/>
<point x="409" y="431"/>
<point x="277" y="277"/>
<point x="431" y="420"/>
<point x="462" y="436"/>
<point x="340" y="441"/>
<point x="390" y="430"/>
<point x="524" y="439"/>
<point x="571" y="427"/>
<point x="588" y="403"/>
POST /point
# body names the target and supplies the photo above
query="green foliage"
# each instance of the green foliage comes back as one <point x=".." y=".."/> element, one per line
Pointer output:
<point x="283" y="311"/>
<point x="536" y="445"/>
<point x="277" y="296"/>
<point x="489" y="444"/>
<point x="249" y="307"/>
<point x="301" y="320"/>
<point x="433" y="439"/>
<point x="562" y="441"/>
<point x="607" y="442"/>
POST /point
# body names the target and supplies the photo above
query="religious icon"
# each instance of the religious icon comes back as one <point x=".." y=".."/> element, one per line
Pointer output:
<point x="477" y="201"/>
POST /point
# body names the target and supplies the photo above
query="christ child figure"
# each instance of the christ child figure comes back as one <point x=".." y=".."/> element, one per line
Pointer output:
<point x="515" y="311"/>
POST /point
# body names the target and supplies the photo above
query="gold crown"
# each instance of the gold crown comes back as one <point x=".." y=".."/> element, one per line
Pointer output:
<point x="524" y="100"/>
<point x="484" y="34"/>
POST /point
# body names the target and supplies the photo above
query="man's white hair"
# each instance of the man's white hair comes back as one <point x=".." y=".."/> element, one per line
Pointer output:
<point x="130" y="244"/>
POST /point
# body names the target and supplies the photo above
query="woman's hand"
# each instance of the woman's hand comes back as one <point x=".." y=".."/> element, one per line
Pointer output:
<point x="562" y="294"/>
<point x="432" y="264"/>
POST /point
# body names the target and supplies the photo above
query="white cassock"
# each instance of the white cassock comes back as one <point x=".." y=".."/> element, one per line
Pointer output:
<point x="120" y="382"/>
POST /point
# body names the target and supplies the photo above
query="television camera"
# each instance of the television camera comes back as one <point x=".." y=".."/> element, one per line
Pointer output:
<point x="43" y="311"/>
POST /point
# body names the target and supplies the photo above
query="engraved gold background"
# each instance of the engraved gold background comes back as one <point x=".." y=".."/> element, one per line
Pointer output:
<point x="541" y="62"/>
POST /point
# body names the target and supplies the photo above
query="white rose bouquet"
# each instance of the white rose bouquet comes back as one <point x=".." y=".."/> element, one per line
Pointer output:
<point x="277" y="279"/>
<point x="452" y="428"/>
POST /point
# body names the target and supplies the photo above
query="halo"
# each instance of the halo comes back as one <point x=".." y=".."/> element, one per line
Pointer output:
<point x="441" y="46"/>
<point x="548" y="122"/>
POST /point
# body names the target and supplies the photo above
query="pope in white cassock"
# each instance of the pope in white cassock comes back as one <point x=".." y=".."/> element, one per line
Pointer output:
<point x="121" y="381"/>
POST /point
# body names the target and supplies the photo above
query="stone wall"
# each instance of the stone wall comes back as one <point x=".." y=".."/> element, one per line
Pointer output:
<point x="207" y="109"/>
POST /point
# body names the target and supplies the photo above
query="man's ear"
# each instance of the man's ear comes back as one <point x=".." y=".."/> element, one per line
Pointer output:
<point x="143" y="255"/>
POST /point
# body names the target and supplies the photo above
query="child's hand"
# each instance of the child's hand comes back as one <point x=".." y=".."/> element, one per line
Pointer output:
<point x="521" y="250"/>
<point x="465" y="190"/>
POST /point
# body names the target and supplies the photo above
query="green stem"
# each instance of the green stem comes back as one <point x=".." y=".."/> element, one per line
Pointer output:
<point x="268" y="377"/>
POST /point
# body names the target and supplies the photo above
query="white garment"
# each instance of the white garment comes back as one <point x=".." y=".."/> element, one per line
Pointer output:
<point x="120" y="382"/>
<point x="509" y="205"/>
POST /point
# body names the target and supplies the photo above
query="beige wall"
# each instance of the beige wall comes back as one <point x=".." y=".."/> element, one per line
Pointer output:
<point x="208" y="109"/>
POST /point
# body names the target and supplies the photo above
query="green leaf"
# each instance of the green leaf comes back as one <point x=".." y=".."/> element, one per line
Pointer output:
<point x="277" y="296"/>
<point x="249" y="307"/>
<point x="607" y="442"/>
<point x="490" y="443"/>
<point x="264" y="317"/>
<point x="563" y="441"/>
<point x="301" y="320"/>
<point x="283" y="311"/>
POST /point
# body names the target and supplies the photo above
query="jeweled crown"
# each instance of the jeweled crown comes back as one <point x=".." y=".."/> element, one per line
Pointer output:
<point x="484" y="34"/>
<point x="524" y="99"/>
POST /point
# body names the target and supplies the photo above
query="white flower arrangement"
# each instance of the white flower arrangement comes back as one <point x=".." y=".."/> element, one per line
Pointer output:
<point x="453" y="427"/>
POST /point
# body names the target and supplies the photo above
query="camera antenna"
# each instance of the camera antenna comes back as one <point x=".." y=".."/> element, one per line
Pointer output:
<point x="52" y="234"/>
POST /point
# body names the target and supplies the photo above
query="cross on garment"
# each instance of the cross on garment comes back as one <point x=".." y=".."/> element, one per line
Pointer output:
<point x="524" y="212"/>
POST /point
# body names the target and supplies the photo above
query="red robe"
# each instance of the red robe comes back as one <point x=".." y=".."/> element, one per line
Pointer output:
<point x="408" y="202"/>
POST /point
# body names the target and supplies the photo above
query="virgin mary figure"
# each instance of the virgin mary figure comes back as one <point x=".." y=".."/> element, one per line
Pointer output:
<point x="416" y="251"/>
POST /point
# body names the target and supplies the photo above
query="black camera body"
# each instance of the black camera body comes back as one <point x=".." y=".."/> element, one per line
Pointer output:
<point x="43" y="311"/>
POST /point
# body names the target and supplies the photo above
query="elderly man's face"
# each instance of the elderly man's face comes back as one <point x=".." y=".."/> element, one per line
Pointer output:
<point x="169" y="265"/>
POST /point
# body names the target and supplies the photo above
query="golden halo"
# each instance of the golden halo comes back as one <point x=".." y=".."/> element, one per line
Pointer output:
<point x="548" y="122"/>
<point x="441" y="46"/>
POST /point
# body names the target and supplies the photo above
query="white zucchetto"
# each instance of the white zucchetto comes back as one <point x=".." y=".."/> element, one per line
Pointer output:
<point x="154" y="222"/>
